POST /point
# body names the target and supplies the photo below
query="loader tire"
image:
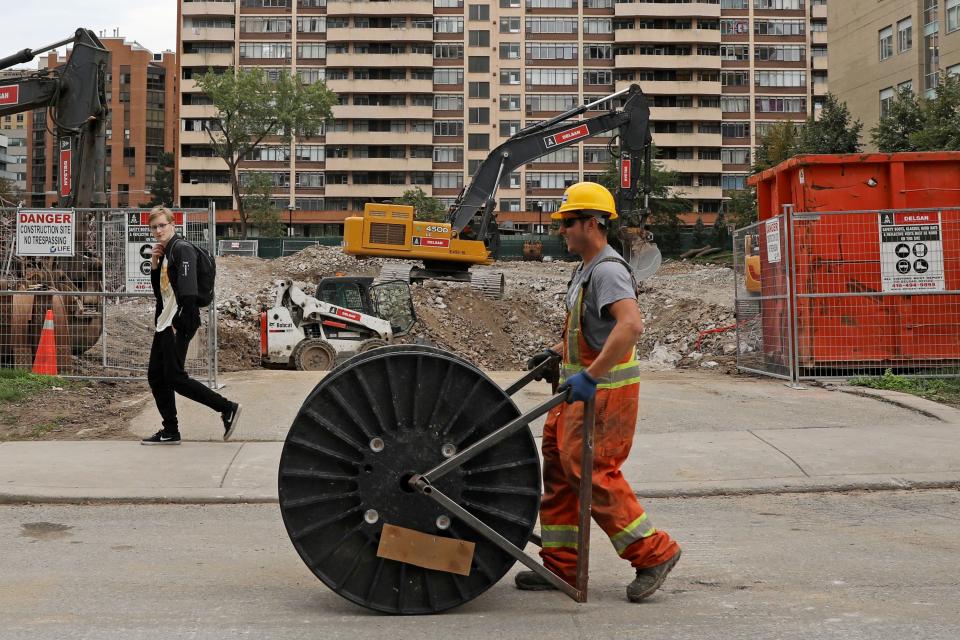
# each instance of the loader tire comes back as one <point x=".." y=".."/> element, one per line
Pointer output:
<point x="313" y="354"/>
<point x="370" y="344"/>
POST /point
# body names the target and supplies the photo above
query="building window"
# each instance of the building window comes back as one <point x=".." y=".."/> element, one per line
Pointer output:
<point x="479" y="12"/>
<point x="479" y="115"/>
<point x="886" y="101"/>
<point x="509" y="128"/>
<point x="509" y="50"/>
<point x="447" y="102"/>
<point x="480" y="89"/>
<point x="905" y="34"/>
<point x="447" y="179"/>
<point x="478" y="141"/>
<point x="953" y="15"/>
<point x="448" y="154"/>
<point x="886" y="42"/>
<point x="733" y="104"/>
<point x="510" y="24"/>
<point x="448" y="127"/>
<point x="510" y="76"/>
<point x="479" y="38"/>
<point x="448" y="24"/>
<point x="735" y="155"/>
<point x="478" y="64"/>
<point x="509" y="102"/>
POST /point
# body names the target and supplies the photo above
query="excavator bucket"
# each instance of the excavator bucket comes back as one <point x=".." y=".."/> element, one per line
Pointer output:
<point x="641" y="254"/>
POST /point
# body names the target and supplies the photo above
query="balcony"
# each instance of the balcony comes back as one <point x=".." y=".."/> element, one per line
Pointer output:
<point x="667" y="9"/>
<point x="381" y="60"/>
<point x="371" y="190"/>
<point x="202" y="164"/>
<point x="818" y="11"/>
<point x="820" y="88"/>
<point x="819" y="37"/>
<point x="693" y="166"/>
<point x="381" y="86"/>
<point x="204" y="34"/>
<point x="205" y="190"/>
<point x="392" y="8"/>
<point x="668" y="36"/>
<point x="197" y="111"/>
<point x="379" y="164"/>
<point x="204" y="60"/>
<point x="188" y="86"/>
<point x="698" y="193"/>
<point x="687" y="139"/>
<point x="379" y="35"/>
<point x="194" y="137"/>
<point x="208" y="8"/>
<point x="377" y="112"/>
<point x="378" y="138"/>
<point x="685" y="113"/>
<point x="668" y="62"/>
<point x="675" y="87"/>
<point x="820" y="63"/>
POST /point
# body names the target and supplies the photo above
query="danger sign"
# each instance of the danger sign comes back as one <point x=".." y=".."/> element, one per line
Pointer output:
<point x="9" y="94"/>
<point x="911" y="252"/>
<point x="45" y="232"/>
<point x="773" y="240"/>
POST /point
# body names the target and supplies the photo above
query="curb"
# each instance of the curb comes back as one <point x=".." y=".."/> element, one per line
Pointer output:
<point x="906" y="401"/>
<point x="825" y="484"/>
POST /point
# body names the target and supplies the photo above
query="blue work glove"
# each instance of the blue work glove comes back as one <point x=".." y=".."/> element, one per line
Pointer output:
<point x="582" y="387"/>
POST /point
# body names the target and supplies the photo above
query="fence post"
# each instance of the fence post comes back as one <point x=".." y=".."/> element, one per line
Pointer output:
<point x="212" y="311"/>
<point x="793" y="346"/>
<point x="102" y="226"/>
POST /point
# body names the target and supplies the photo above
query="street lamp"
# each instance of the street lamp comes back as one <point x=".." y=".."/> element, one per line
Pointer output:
<point x="291" y="208"/>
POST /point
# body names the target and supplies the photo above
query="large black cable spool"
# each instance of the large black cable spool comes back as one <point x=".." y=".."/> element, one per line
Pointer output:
<point x="363" y="430"/>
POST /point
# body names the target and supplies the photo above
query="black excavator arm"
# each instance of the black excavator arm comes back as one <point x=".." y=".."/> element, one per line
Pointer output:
<point x="75" y="98"/>
<point x="632" y="123"/>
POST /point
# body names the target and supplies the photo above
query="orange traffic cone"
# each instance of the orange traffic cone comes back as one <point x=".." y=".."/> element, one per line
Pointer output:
<point x="46" y="361"/>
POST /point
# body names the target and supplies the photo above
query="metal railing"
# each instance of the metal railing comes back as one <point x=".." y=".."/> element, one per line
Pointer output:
<point x="850" y="293"/>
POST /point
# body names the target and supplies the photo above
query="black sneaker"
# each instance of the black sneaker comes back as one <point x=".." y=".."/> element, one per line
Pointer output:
<point x="230" y="418"/>
<point x="163" y="437"/>
<point x="650" y="579"/>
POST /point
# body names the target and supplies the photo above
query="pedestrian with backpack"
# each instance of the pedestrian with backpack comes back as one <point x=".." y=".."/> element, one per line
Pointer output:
<point x="182" y="278"/>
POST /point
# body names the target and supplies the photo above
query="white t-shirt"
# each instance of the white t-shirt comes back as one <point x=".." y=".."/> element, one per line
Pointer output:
<point x="169" y="300"/>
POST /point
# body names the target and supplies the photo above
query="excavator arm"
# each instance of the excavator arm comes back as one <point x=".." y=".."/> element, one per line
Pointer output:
<point x="632" y="123"/>
<point x="75" y="98"/>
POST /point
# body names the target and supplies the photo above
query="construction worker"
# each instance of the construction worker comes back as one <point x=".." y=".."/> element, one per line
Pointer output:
<point x="598" y="355"/>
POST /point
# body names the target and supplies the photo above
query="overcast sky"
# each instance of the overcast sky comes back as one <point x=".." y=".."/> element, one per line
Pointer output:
<point x="36" y="23"/>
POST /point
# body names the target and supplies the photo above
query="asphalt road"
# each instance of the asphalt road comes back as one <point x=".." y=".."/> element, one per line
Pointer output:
<point x="813" y="566"/>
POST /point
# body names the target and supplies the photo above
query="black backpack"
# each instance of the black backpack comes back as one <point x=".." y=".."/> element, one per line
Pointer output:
<point x="206" y="274"/>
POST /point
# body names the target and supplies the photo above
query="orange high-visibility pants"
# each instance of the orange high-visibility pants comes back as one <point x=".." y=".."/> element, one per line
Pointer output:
<point x="615" y="507"/>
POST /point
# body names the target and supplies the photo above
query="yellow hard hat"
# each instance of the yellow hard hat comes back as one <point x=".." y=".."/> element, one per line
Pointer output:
<point x="586" y="198"/>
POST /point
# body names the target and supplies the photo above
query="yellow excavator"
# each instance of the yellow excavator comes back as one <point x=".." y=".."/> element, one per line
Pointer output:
<point x="470" y="236"/>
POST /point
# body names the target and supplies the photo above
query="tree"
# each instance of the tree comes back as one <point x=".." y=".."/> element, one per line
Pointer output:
<point x="918" y="123"/>
<point x="425" y="208"/>
<point x="161" y="189"/>
<point x="258" y="189"/>
<point x="742" y="208"/>
<point x="776" y="146"/>
<point x="699" y="235"/>
<point x="894" y="131"/>
<point x="720" y="234"/>
<point x="832" y="131"/>
<point x="250" y="107"/>
<point x="666" y="205"/>
<point x="10" y="194"/>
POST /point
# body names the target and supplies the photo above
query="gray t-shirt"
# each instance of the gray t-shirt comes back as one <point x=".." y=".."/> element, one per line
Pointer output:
<point x="609" y="282"/>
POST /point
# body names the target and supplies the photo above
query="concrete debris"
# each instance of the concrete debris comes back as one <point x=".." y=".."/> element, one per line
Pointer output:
<point x="682" y="304"/>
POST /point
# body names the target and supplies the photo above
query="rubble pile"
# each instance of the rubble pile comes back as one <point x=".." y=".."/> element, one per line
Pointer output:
<point x="679" y="303"/>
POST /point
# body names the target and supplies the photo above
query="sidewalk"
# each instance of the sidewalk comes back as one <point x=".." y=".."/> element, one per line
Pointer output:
<point x="698" y="434"/>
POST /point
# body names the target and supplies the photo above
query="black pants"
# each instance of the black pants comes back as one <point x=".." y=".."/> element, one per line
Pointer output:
<point x="168" y="377"/>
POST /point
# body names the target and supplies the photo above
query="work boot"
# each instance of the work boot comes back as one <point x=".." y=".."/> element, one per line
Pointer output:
<point x="230" y="419"/>
<point x="532" y="581"/>
<point x="163" y="437"/>
<point x="649" y="579"/>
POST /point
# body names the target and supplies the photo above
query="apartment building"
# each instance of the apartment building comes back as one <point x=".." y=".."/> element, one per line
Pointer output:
<point x="881" y="46"/>
<point x="140" y="92"/>
<point x="774" y="68"/>
<point x="429" y="87"/>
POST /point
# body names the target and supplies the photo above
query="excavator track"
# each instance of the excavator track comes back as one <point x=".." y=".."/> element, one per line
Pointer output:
<point x="491" y="283"/>
<point x="394" y="271"/>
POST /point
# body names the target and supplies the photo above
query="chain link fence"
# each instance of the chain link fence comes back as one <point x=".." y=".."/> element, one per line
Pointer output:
<point x="850" y="293"/>
<point x="90" y="268"/>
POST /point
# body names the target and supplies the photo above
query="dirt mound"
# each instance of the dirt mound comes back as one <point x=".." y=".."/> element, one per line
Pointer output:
<point x="683" y="304"/>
